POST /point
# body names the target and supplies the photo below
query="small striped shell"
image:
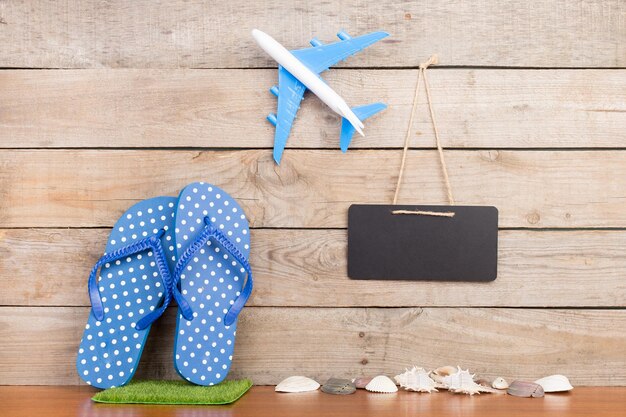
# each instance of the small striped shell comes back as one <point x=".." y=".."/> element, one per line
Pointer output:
<point x="361" y="382"/>
<point x="382" y="384"/>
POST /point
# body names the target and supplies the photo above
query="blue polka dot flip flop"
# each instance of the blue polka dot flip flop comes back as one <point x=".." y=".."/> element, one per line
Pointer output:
<point x="131" y="291"/>
<point x="213" y="245"/>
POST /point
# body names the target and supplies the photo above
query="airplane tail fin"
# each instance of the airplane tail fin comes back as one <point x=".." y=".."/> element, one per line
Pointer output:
<point x="362" y="112"/>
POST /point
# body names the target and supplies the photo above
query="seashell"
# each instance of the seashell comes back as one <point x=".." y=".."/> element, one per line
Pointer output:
<point x="297" y="384"/>
<point x="416" y="379"/>
<point x="381" y="384"/>
<point x="338" y="386"/>
<point x="555" y="383"/>
<point x="500" y="383"/>
<point x="361" y="382"/>
<point x="525" y="389"/>
<point x="438" y="374"/>
<point x="462" y="382"/>
<point x="483" y="381"/>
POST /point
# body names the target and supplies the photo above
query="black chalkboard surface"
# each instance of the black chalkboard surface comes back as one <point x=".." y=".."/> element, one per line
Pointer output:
<point x="383" y="245"/>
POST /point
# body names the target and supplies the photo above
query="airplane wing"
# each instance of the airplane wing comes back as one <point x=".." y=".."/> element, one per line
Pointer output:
<point x="290" y="92"/>
<point x="320" y="58"/>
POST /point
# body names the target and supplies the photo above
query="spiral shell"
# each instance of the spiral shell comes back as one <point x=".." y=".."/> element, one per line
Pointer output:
<point x="462" y="382"/>
<point x="416" y="379"/>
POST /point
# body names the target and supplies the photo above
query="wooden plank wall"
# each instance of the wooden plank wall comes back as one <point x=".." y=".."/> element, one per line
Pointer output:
<point x="103" y="104"/>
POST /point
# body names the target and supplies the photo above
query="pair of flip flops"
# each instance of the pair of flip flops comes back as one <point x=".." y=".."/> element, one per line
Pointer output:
<point x="193" y="249"/>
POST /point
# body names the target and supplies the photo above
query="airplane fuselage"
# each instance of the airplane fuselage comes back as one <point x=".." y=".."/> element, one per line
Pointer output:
<point x="307" y="77"/>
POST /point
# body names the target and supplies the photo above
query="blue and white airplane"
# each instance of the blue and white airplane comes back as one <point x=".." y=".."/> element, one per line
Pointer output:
<point x="298" y="71"/>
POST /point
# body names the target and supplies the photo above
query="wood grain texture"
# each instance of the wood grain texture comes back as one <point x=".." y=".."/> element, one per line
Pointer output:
<point x="306" y="316"/>
<point x="227" y="109"/>
<point x="314" y="188"/>
<point x="49" y="267"/>
<point x="263" y="401"/>
<point x="145" y="34"/>
<point x="273" y="343"/>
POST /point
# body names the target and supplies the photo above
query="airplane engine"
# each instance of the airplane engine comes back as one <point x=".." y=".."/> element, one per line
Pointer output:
<point x="272" y="119"/>
<point x="343" y="35"/>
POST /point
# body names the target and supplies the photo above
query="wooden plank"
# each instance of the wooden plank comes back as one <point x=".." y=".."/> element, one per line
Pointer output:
<point x="192" y="34"/>
<point x="49" y="267"/>
<point x="263" y="401"/>
<point x="200" y="108"/>
<point x="314" y="188"/>
<point x="273" y="343"/>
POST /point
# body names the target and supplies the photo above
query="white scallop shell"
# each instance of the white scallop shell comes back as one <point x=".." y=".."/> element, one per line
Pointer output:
<point x="416" y="379"/>
<point x="500" y="383"/>
<point x="297" y="384"/>
<point x="555" y="383"/>
<point x="462" y="382"/>
<point x="381" y="384"/>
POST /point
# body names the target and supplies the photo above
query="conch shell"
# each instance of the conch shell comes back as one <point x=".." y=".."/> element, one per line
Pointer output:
<point x="381" y="384"/>
<point x="462" y="382"/>
<point x="555" y="383"/>
<point x="416" y="379"/>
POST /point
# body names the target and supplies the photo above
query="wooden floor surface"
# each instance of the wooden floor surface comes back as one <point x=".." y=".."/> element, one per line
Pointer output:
<point x="263" y="401"/>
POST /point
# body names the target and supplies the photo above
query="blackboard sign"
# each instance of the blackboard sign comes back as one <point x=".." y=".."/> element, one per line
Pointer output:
<point x="453" y="243"/>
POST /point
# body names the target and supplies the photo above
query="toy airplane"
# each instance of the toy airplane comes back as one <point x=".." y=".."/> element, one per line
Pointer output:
<point x="299" y="69"/>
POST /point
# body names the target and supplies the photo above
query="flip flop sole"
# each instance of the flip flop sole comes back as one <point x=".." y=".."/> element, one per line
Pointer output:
<point x="130" y="288"/>
<point x="210" y="283"/>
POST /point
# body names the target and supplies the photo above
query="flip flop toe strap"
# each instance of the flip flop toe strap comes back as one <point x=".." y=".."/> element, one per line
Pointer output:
<point x="212" y="232"/>
<point x="153" y="242"/>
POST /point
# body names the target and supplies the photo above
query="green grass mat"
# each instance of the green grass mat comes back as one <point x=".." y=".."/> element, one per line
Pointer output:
<point x="174" y="392"/>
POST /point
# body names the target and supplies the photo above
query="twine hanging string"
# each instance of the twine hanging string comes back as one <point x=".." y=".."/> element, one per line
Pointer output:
<point x="425" y="213"/>
<point x="422" y="74"/>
